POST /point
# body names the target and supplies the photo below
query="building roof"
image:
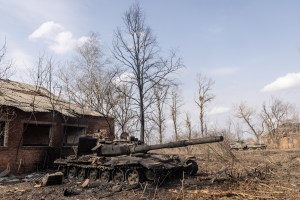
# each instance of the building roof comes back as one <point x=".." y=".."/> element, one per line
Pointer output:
<point x="30" y="98"/>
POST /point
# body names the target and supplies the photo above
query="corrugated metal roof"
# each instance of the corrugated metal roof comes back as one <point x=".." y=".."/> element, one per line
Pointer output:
<point x="29" y="98"/>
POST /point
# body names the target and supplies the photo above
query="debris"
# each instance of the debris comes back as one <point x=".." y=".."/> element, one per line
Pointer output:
<point x="130" y="187"/>
<point x="34" y="177"/>
<point x="9" y="179"/>
<point x="85" y="183"/>
<point x="93" y="184"/>
<point x="37" y="184"/>
<point x="116" y="188"/>
<point x="218" y="173"/>
<point x="53" y="179"/>
<point x="70" y="192"/>
<point x="5" y="172"/>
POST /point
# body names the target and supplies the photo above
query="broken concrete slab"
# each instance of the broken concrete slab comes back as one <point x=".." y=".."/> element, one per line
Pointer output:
<point x="53" y="179"/>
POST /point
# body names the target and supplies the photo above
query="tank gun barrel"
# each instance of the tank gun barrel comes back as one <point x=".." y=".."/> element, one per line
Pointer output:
<point x="181" y="143"/>
<point x="117" y="149"/>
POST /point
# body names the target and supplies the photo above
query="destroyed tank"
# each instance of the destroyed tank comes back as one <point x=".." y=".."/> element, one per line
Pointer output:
<point x="128" y="161"/>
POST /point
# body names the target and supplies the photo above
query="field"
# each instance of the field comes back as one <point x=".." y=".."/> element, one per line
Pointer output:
<point x="267" y="174"/>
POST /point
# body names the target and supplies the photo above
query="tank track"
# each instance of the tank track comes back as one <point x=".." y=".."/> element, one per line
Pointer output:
<point x="130" y="174"/>
<point x="118" y="174"/>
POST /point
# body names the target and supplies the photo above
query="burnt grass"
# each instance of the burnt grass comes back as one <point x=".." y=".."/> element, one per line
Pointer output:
<point x="267" y="174"/>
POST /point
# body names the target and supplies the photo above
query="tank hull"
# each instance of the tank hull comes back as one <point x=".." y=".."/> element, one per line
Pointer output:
<point x="147" y="167"/>
<point x="128" y="161"/>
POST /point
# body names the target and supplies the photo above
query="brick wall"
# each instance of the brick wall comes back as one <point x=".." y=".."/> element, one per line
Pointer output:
<point x="26" y="159"/>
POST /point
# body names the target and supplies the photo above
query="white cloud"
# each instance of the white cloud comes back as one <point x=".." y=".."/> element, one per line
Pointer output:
<point x="46" y="30"/>
<point x="126" y="76"/>
<point x="224" y="71"/>
<point x="218" y="110"/>
<point x="291" y="80"/>
<point x="63" y="43"/>
<point x="58" y="40"/>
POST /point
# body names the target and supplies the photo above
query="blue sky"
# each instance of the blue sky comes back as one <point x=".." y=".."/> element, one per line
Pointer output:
<point x="249" y="48"/>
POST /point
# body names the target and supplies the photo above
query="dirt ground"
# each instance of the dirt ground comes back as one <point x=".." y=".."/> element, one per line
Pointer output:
<point x="265" y="174"/>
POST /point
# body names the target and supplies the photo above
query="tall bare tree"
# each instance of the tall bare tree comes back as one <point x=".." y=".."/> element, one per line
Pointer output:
<point x="88" y="81"/>
<point x="204" y="96"/>
<point x="176" y="104"/>
<point x="45" y="84"/>
<point x="136" y="49"/>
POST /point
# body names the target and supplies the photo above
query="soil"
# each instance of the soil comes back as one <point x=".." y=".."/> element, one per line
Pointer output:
<point x="265" y="174"/>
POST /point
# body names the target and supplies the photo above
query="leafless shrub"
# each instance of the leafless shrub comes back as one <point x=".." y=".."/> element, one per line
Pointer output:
<point x="238" y="172"/>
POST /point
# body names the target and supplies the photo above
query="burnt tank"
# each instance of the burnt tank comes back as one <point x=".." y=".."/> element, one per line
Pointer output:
<point x="128" y="161"/>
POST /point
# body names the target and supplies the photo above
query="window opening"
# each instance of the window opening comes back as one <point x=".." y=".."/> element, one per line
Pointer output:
<point x="36" y="135"/>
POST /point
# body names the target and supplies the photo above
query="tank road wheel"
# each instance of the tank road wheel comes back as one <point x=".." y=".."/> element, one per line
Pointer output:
<point x="118" y="176"/>
<point x="81" y="174"/>
<point x="93" y="174"/>
<point x="192" y="167"/>
<point x="105" y="176"/>
<point x="72" y="172"/>
<point x="133" y="177"/>
<point x="150" y="175"/>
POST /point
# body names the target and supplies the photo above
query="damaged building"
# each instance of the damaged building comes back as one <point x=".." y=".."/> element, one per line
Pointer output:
<point x="36" y="126"/>
<point x="289" y="136"/>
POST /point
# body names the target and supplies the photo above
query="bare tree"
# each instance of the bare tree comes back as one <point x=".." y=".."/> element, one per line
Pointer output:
<point x="6" y="113"/>
<point x="6" y="67"/>
<point x="123" y="111"/>
<point x="252" y="120"/>
<point x="276" y="114"/>
<point x="42" y="77"/>
<point x="88" y="80"/>
<point x="158" y="115"/>
<point x="176" y="104"/>
<point x="136" y="49"/>
<point x="238" y="132"/>
<point x="204" y="96"/>
<point x="44" y="82"/>
<point x="188" y="125"/>
<point x="233" y="131"/>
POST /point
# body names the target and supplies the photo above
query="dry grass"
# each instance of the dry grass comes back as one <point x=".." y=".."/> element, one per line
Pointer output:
<point x="270" y="174"/>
